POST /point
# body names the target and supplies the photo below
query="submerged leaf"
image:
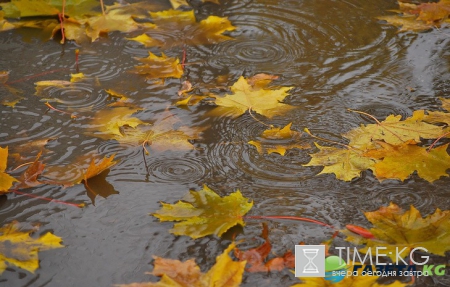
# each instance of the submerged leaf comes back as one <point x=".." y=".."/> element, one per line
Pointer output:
<point x="6" y="181"/>
<point x="400" y="161"/>
<point x="204" y="212"/>
<point x="244" y="97"/>
<point x="19" y="249"/>
<point x="159" y="67"/>
<point x="419" y="17"/>
<point x="257" y="256"/>
<point x="224" y="273"/>
<point x="278" y="140"/>
<point x="176" y="28"/>
<point x="405" y="230"/>
<point x="109" y="123"/>
<point x="29" y="177"/>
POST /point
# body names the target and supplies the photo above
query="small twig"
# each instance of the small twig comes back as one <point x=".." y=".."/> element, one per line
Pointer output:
<point x="378" y="122"/>
<point x="55" y="109"/>
<point x="23" y="164"/>
<point x="263" y="123"/>
<point x="183" y="61"/>
<point x="103" y="7"/>
<point x="34" y="76"/>
<point x="434" y="143"/>
<point x="288" y="218"/>
<point x="77" y="53"/>
<point x="79" y="205"/>
<point x="306" y="130"/>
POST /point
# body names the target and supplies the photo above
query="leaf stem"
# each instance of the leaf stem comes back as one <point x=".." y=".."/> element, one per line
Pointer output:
<point x="103" y="7"/>
<point x="306" y="130"/>
<point x="263" y="123"/>
<point x="288" y="218"/>
<point x="79" y="205"/>
<point x="55" y="109"/>
<point x="434" y="143"/>
<point x="34" y="76"/>
<point x="378" y="122"/>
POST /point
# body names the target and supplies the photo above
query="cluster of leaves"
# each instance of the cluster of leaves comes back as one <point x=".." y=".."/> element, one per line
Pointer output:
<point x="390" y="148"/>
<point x="80" y="20"/>
<point x="422" y="17"/>
<point x="18" y="248"/>
<point x="392" y="228"/>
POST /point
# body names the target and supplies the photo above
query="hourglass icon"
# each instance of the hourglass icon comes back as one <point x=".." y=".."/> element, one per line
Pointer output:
<point x="310" y="267"/>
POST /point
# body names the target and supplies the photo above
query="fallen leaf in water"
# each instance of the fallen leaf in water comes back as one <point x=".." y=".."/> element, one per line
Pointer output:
<point x="186" y="87"/>
<point x="33" y="8"/>
<point x="109" y="123"/>
<point x="29" y="177"/>
<point x="257" y="256"/>
<point x="224" y="273"/>
<point x="19" y="249"/>
<point x="95" y="169"/>
<point x="113" y="20"/>
<point x="176" y="28"/>
<point x="178" y="3"/>
<point x="244" y="97"/>
<point x="437" y="116"/>
<point x="159" y="67"/>
<point x="394" y="228"/>
<point x="346" y="164"/>
<point x="5" y="25"/>
<point x="278" y="140"/>
<point x="400" y="161"/>
<point x="204" y="212"/>
<point x="412" y="17"/>
<point x="6" y="181"/>
<point x="10" y="96"/>
<point x="394" y="131"/>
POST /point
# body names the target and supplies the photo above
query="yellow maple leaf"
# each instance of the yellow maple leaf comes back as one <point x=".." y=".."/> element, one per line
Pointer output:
<point x="346" y="164"/>
<point x="19" y="249"/>
<point x="224" y="273"/>
<point x="109" y="123"/>
<point x="437" y="116"/>
<point x="400" y="161"/>
<point x="278" y="140"/>
<point x="95" y="169"/>
<point x="393" y="130"/>
<point x="396" y="229"/>
<point x="175" y="28"/>
<point x="159" y="67"/>
<point x="5" y="25"/>
<point x="6" y="181"/>
<point x="244" y="97"/>
<point x="114" y="20"/>
<point x="204" y="212"/>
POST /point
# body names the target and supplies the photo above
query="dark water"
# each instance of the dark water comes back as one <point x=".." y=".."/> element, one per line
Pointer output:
<point x="335" y="54"/>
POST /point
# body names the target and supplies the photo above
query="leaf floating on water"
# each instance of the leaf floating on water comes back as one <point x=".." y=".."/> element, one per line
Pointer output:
<point x="437" y="116"/>
<point x="176" y="28"/>
<point x="5" y="25"/>
<point x="346" y="164"/>
<point x="204" y="212"/>
<point x="400" y="161"/>
<point x="29" y="177"/>
<point x="224" y="273"/>
<point x="278" y="140"/>
<point x="95" y="169"/>
<point x="395" y="228"/>
<point x="419" y="17"/>
<point x="257" y="256"/>
<point x="6" y="181"/>
<point x="159" y="67"/>
<point x="245" y="97"/>
<point x="19" y="249"/>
